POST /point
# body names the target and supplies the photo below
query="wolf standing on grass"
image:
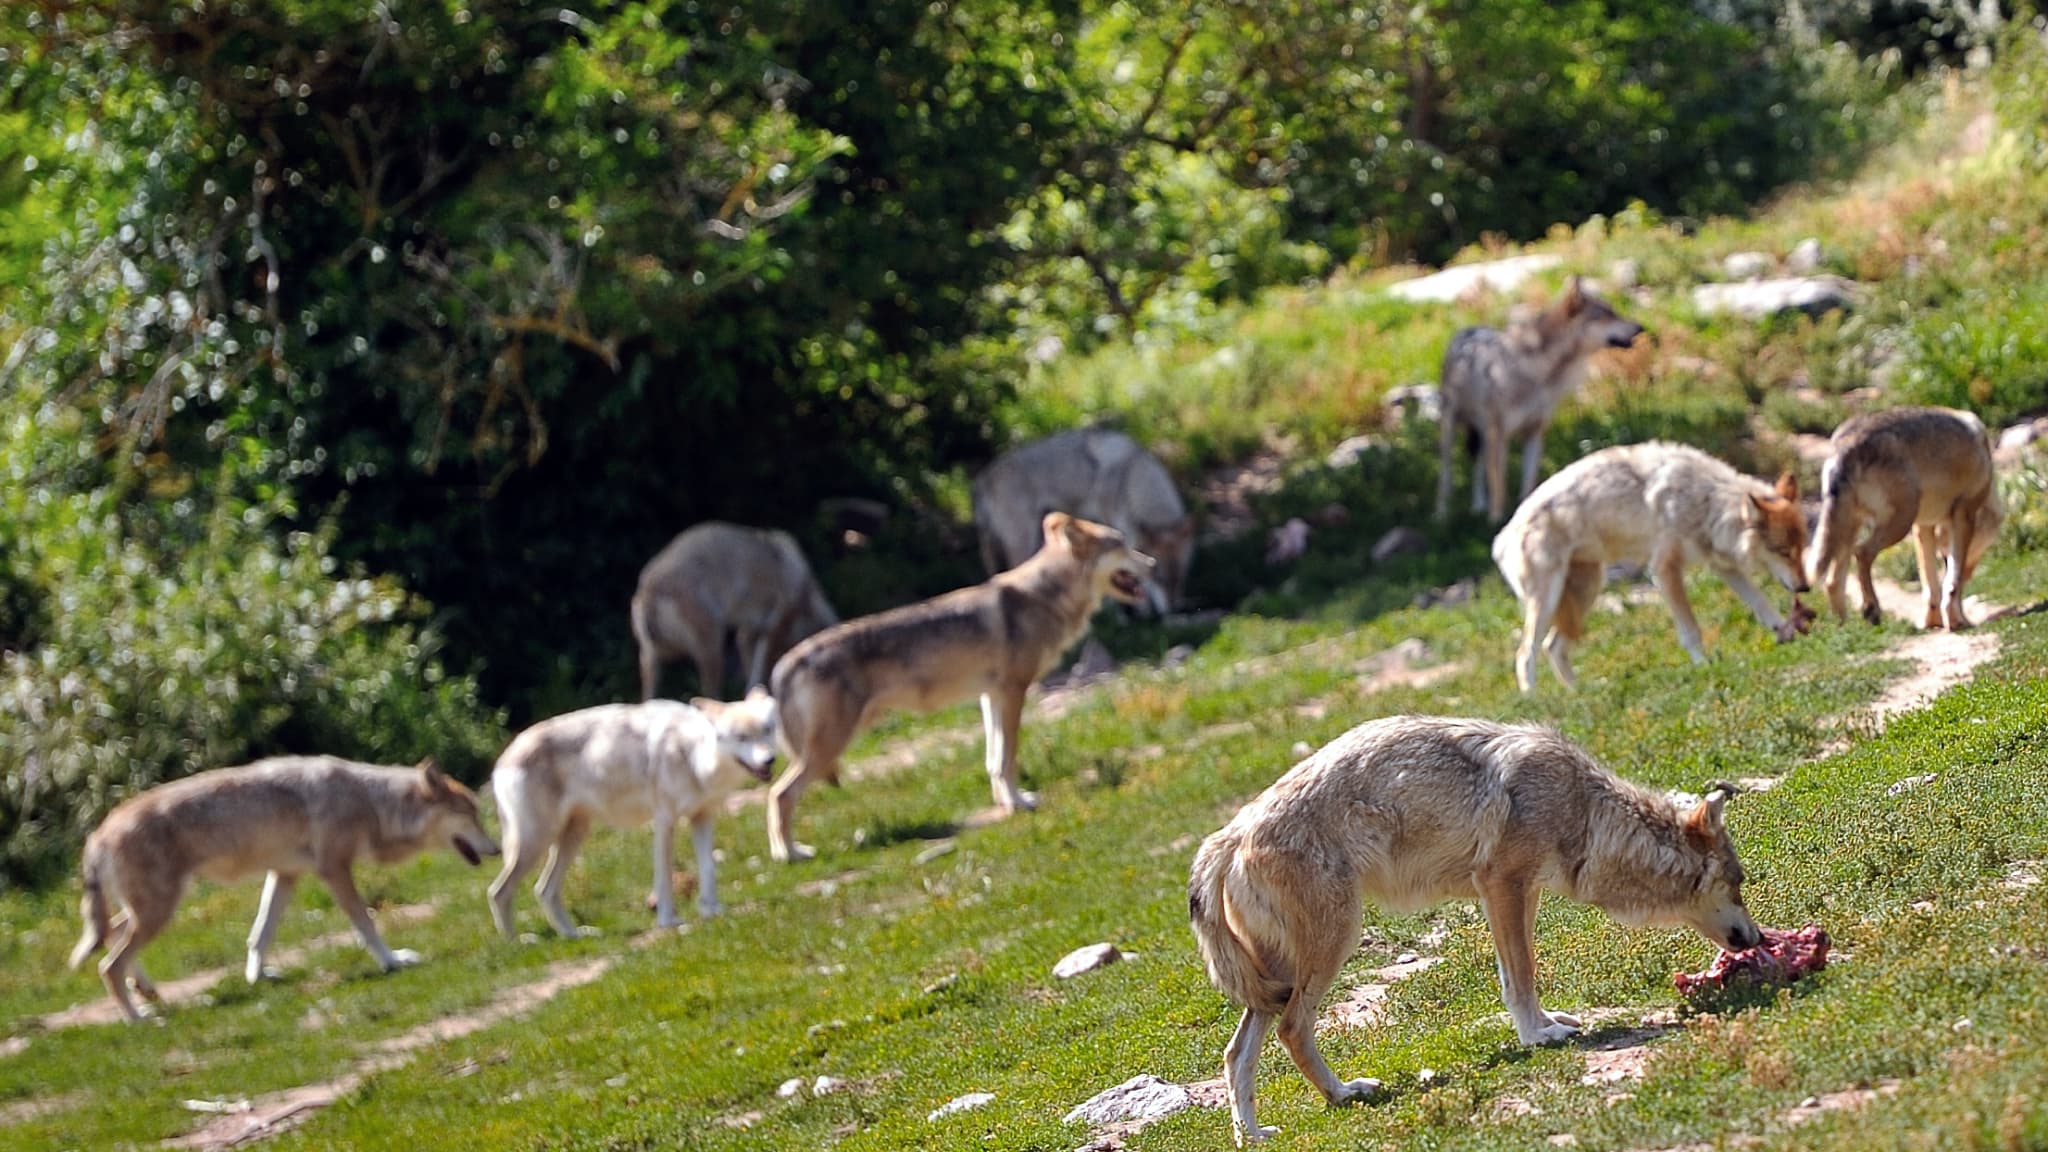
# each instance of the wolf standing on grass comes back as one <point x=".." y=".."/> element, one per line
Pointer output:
<point x="1096" y="474"/>
<point x="287" y="816"/>
<point x="1921" y="470"/>
<point x="1666" y="505"/>
<point x="717" y="580"/>
<point x="1504" y="384"/>
<point x="993" y="640"/>
<point x="624" y="765"/>
<point x="1412" y="810"/>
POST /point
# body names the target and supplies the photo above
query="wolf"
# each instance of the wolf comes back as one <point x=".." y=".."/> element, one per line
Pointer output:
<point x="625" y="765"/>
<point x="1924" y="470"/>
<point x="1664" y="504"/>
<point x="1412" y="810"/>
<point x="287" y="816"/>
<point x="1096" y="474"/>
<point x="993" y="640"/>
<point x="719" y="580"/>
<point x="1503" y="385"/>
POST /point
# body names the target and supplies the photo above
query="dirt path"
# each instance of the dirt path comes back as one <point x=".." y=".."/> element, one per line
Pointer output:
<point x="243" y="1123"/>
<point x="1941" y="659"/>
<point x="101" y="1010"/>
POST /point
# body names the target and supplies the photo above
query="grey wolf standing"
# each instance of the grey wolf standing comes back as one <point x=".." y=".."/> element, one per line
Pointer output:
<point x="625" y="765"/>
<point x="1666" y="504"/>
<point x="1504" y="385"/>
<point x="1923" y="470"/>
<point x="1096" y="474"/>
<point x="993" y="640"/>
<point x="1412" y="810"/>
<point x="717" y="580"/>
<point x="287" y="816"/>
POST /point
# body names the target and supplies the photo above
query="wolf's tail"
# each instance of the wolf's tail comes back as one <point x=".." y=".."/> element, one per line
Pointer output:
<point x="1833" y="535"/>
<point x="1508" y="557"/>
<point x="92" y="907"/>
<point x="1233" y="962"/>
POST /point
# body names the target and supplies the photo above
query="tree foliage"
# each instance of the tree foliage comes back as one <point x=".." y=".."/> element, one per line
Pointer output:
<point x="488" y="298"/>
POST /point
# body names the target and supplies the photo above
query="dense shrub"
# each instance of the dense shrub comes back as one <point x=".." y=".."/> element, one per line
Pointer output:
<point x="146" y="641"/>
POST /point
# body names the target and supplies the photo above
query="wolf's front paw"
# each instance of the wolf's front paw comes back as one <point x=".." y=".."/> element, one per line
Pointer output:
<point x="1027" y="802"/>
<point x="1353" y="1091"/>
<point x="709" y="908"/>
<point x="401" y="958"/>
<point x="1564" y="1018"/>
<point x="794" y="853"/>
<point x="1553" y="1030"/>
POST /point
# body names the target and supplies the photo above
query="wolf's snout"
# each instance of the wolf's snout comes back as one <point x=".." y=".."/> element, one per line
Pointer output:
<point x="470" y="853"/>
<point x="1625" y="338"/>
<point x="1744" y="936"/>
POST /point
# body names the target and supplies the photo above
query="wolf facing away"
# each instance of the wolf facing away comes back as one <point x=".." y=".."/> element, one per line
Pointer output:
<point x="993" y="640"/>
<point x="624" y="765"/>
<point x="1412" y="810"/>
<point x="1922" y="470"/>
<point x="1664" y="504"/>
<point x="1504" y="384"/>
<point x="717" y="580"/>
<point x="1096" y="474"/>
<point x="287" y="816"/>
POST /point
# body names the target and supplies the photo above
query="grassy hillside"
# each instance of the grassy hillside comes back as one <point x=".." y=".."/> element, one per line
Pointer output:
<point x="912" y="961"/>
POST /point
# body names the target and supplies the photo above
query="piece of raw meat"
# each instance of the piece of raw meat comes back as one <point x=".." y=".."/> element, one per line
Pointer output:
<point x="1782" y="958"/>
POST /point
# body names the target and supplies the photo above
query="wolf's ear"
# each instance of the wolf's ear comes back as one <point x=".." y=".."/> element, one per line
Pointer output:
<point x="1705" y="819"/>
<point x="757" y="692"/>
<point x="1055" y="524"/>
<point x="707" y="705"/>
<point x="1788" y="486"/>
<point x="432" y="775"/>
<point x="1574" y="296"/>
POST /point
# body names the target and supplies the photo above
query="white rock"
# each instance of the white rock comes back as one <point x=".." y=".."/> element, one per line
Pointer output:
<point x="1085" y="960"/>
<point x="1757" y="299"/>
<point x="1302" y="750"/>
<point x="1624" y="274"/>
<point x="1398" y="541"/>
<point x="1144" y="1097"/>
<point x="1911" y="782"/>
<point x="1287" y="542"/>
<point x="1424" y="399"/>
<point x="827" y="1085"/>
<point x="957" y="1104"/>
<point x="790" y="1088"/>
<point x="1488" y="276"/>
<point x="1347" y="453"/>
<point x="1804" y="259"/>
<point x="1746" y="265"/>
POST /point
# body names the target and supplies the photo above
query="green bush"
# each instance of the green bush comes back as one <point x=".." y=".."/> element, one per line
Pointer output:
<point x="136" y="655"/>
<point x="1986" y="352"/>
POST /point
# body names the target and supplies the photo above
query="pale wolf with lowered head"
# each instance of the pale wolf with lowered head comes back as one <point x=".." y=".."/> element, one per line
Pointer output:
<point x="624" y="765"/>
<point x="992" y="640"/>
<point x="288" y="816"/>
<point x="717" y="580"/>
<point x="1412" y="810"/>
<point x="1921" y="470"/>
<point x="1095" y="474"/>
<point x="1666" y="505"/>
<point x="1503" y="385"/>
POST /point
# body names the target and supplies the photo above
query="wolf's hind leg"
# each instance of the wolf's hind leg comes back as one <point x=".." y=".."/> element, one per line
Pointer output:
<point x="277" y="895"/>
<point x="1240" y="1067"/>
<point x="1298" y="1036"/>
<point x="553" y="874"/>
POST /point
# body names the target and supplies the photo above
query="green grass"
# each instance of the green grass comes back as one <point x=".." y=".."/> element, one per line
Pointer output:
<point x="918" y="982"/>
